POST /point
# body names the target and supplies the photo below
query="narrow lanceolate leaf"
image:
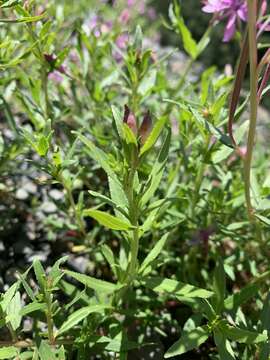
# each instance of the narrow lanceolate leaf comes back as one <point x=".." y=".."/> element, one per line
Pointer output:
<point x="40" y="273"/>
<point x="157" y="170"/>
<point x="154" y="135"/>
<point x="34" y="306"/>
<point x="147" y="83"/>
<point x="9" y="352"/>
<point x="241" y="335"/>
<point x="23" y="19"/>
<point x="223" y="345"/>
<point x="97" y="154"/>
<point x="116" y="189"/>
<point x="107" y="220"/>
<point x="13" y="311"/>
<point x="109" y="201"/>
<point x="118" y="119"/>
<point x="176" y="288"/>
<point x="154" y="253"/>
<point x="8" y="296"/>
<point x="92" y="283"/>
<point x="76" y="317"/>
<point x="191" y="340"/>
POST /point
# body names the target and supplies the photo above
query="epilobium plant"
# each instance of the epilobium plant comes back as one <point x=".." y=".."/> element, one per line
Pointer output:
<point x="125" y="178"/>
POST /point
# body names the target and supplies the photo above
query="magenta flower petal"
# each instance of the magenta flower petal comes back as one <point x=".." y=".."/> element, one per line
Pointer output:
<point x="230" y="28"/>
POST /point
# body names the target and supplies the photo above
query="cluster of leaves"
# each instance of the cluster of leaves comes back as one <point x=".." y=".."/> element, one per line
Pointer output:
<point x="153" y="195"/>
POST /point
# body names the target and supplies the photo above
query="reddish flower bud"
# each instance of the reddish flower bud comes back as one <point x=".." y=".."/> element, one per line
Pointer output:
<point x="146" y="127"/>
<point x="50" y="58"/>
<point x="130" y="120"/>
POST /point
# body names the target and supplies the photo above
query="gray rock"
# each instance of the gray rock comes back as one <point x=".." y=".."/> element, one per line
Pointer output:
<point x="56" y="194"/>
<point x="21" y="194"/>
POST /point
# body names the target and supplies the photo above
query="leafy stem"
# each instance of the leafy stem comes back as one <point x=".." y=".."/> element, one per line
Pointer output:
<point x="49" y="316"/>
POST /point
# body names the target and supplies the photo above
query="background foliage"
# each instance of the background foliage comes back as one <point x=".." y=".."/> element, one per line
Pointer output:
<point x="123" y="230"/>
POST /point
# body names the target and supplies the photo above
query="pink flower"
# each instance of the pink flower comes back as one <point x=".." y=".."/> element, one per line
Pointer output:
<point x="125" y="16"/>
<point x="122" y="41"/>
<point x="56" y="77"/>
<point x="233" y="10"/>
<point x="131" y="2"/>
<point x="151" y="13"/>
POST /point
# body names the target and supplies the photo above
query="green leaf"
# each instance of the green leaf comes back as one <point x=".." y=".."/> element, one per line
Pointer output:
<point x="147" y="83"/>
<point x="265" y="314"/>
<point x="263" y="219"/>
<point x="56" y="273"/>
<point x="76" y="317"/>
<point x="154" y="253"/>
<point x="129" y="136"/>
<point x="9" y="295"/>
<point x="157" y="170"/>
<point x="34" y="306"/>
<point x="223" y="345"/>
<point x="40" y="274"/>
<point x="10" y="3"/>
<point x="8" y="352"/>
<point x="210" y="128"/>
<point x="154" y="135"/>
<point x="45" y="351"/>
<point x="13" y="311"/>
<point x="109" y="256"/>
<point x="189" y="341"/>
<point x="97" y="154"/>
<point x="241" y="335"/>
<point x="107" y="200"/>
<point x="92" y="283"/>
<point x="108" y="220"/>
<point x="176" y="288"/>
<point x="27" y="19"/>
<point x="219" y="286"/>
<point x="116" y="189"/>
<point x="118" y="118"/>
<point x="42" y="145"/>
<point x="189" y="43"/>
<point x="115" y="345"/>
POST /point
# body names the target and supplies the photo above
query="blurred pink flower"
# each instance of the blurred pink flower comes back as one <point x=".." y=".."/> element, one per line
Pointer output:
<point x="131" y="2"/>
<point x="122" y="41"/>
<point x="56" y="77"/>
<point x="125" y="16"/>
<point x="233" y="10"/>
<point x="151" y="13"/>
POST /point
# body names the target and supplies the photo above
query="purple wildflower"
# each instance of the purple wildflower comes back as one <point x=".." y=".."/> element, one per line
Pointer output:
<point x="233" y="10"/>
<point x="125" y="16"/>
<point x="131" y="2"/>
<point x="122" y="40"/>
<point x="56" y="77"/>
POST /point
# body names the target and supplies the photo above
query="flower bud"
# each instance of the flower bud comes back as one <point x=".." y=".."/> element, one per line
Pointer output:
<point x="130" y="120"/>
<point x="146" y="127"/>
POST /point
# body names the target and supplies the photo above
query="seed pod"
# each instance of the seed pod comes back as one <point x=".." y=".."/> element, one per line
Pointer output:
<point x="130" y="120"/>
<point x="146" y="127"/>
